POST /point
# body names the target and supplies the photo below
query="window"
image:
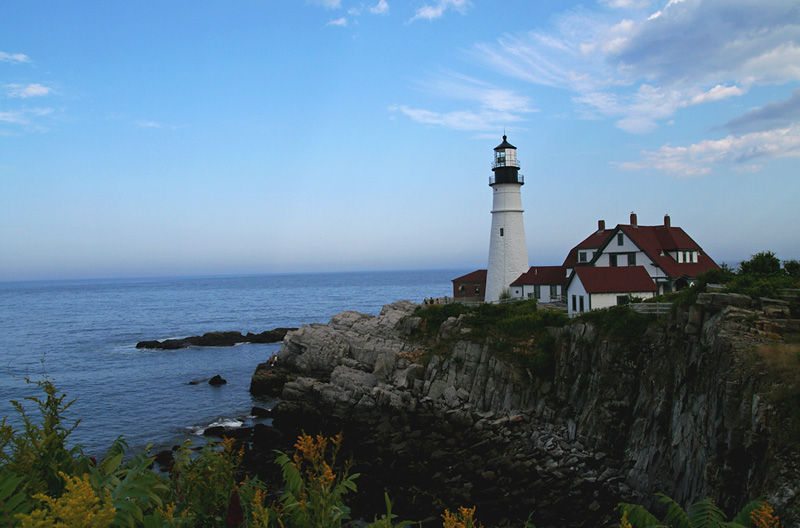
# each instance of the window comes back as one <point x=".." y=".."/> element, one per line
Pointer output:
<point x="680" y="257"/>
<point x="631" y="259"/>
<point x="581" y="303"/>
<point x="477" y="289"/>
<point x="620" y="240"/>
<point x="501" y="231"/>
<point x="694" y="256"/>
<point x="582" y="256"/>
<point x="612" y="260"/>
<point x="622" y="300"/>
<point x="575" y="303"/>
<point x="553" y="290"/>
<point x="537" y="291"/>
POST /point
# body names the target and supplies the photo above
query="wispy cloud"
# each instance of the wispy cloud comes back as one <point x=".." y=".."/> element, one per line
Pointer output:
<point x="701" y="158"/>
<point x="637" y="71"/>
<point x="13" y="57"/>
<point x="327" y="4"/>
<point x="381" y="8"/>
<point x="626" y="4"/>
<point x="777" y="114"/>
<point x="490" y="106"/>
<point x="342" y="21"/>
<point x="144" y="123"/>
<point x="25" y="91"/>
<point x="437" y="10"/>
<point x="23" y="116"/>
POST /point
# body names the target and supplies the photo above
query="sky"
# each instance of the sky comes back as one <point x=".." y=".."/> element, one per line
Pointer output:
<point x="153" y="138"/>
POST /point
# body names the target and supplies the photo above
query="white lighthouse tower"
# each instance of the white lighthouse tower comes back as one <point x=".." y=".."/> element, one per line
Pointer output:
<point x="508" y="253"/>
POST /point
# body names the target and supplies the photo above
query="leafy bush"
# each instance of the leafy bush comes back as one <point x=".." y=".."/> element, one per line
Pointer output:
<point x="701" y="514"/>
<point x="620" y="322"/>
<point x="433" y="315"/>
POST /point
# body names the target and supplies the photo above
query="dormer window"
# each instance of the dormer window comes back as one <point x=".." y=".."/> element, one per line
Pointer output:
<point x="582" y="256"/>
<point x="620" y="239"/>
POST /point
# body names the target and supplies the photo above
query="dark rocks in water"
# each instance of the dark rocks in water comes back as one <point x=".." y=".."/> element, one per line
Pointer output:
<point x="217" y="380"/>
<point x="216" y="430"/>
<point x="165" y="459"/>
<point x="217" y="339"/>
<point x="268" y="380"/>
<point x="260" y="412"/>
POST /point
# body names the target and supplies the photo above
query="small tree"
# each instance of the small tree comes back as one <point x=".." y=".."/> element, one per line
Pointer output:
<point x="764" y="263"/>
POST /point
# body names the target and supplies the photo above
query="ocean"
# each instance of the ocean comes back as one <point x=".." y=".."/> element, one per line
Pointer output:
<point x="82" y="335"/>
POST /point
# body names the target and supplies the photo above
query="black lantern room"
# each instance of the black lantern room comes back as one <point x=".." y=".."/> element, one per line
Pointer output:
<point x="505" y="165"/>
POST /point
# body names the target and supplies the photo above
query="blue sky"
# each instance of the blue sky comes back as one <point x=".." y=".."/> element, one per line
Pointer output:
<point x="180" y="138"/>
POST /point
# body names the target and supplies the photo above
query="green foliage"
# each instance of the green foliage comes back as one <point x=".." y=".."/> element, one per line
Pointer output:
<point x="39" y="451"/>
<point x="764" y="263"/>
<point x="620" y="322"/>
<point x="134" y="489"/>
<point x="204" y="484"/>
<point x="433" y="315"/>
<point x="386" y="520"/>
<point x="313" y="492"/>
<point x="515" y="331"/>
<point x="701" y="514"/>
<point x="13" y="498"/>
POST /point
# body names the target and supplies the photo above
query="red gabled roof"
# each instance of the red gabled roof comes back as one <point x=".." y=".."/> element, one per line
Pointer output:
<point x="593" y="241"/>
<point x="475" y="276"/>
<point x="654" y="240"/>
<point x="542" y="275"/>
<point x="624" y="279"/>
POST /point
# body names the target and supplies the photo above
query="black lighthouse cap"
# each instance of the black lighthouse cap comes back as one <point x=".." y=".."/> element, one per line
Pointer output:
<point x="505" y="145"/>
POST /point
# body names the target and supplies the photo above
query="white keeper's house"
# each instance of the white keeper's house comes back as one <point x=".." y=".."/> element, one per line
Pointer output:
<point x="607" y="268"/>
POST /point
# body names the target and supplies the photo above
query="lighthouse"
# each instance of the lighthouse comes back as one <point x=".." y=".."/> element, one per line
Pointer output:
<point x="508" y="253"/>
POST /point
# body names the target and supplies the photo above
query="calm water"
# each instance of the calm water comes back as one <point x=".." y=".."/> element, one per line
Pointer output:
<point x="82" y="334"/>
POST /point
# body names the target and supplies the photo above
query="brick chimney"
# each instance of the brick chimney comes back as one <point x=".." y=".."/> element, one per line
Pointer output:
<point x="633" y="219"/>
<point x="666" y="221"/>
<point x="601" y="225"/>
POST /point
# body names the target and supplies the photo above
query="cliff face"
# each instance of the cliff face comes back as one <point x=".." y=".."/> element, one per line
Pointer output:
<point x="685" y="410"/>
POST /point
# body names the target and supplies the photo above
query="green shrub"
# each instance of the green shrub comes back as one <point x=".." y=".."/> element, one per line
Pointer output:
<point x="620" y="322"/>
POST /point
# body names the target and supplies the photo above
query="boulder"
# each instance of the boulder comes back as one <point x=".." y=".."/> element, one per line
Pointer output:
<point x="217" y="380"/>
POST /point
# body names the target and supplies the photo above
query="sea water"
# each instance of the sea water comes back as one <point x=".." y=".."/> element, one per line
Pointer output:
<point x="82" y="335"/>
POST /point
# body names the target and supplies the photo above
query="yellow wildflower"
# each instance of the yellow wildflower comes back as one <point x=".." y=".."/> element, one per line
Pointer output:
<point x="78" y="507"/>
<point x="764" y="517"/>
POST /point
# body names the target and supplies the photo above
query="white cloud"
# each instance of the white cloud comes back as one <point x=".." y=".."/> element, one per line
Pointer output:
<point x="701" y="158"/>
<point x="626" y="4"/>
<point x="381" y="8"/>
<point x="639" y="71"/>
<point x="338" y="22"/>
<point x="717" y="93"/>
<point x="490" y="107"/>
<point x="13" y="57"/>
<point x="327" y="4"/>
<point x="432" y="12"/>
<point x="30" y="90"/>
<point x="23" y="116"/>
<point x="777" y="114"/>
<point x="149" y="124"/>
<point x="468" y="120"/>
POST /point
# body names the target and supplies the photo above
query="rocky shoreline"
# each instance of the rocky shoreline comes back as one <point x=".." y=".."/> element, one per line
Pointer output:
<point x="217" y="339"/>
<point x="618" y="421"/>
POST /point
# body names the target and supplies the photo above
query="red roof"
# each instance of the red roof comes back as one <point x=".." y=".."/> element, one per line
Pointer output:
<point x="624" y="279"/>
<point x="475" y="276"/>
<point x="654" y="240"/>
<point x="542" y="275"/>
<point x="593" y="241"/>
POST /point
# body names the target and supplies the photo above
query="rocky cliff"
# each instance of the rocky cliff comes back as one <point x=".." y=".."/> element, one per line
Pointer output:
<point x="693" y="408"/>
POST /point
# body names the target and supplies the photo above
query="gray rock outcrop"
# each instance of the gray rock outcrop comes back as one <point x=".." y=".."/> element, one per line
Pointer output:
<point x="678" y="411"/>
